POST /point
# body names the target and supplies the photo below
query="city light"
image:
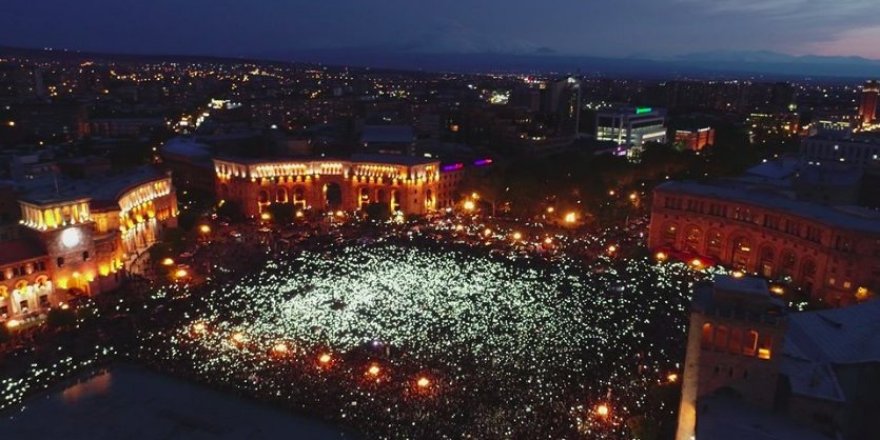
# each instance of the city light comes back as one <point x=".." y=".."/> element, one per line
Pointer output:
<point x="423" y="382"/>
<point x="603" y="411"/>
<point x="265" y="216"/>
<point x="469" y="205"/>
<point x="204" y="229"/>
<point x="167" y="261"/>
<point x="571" y="217"/>
<point x="280" y="348"/>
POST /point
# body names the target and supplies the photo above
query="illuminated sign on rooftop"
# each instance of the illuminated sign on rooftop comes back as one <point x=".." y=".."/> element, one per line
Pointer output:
<point x="643" y="110"/>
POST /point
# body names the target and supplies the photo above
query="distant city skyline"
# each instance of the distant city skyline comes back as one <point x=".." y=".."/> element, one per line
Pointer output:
<point x="274" y="29"/>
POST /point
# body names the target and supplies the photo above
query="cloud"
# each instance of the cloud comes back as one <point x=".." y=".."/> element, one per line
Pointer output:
<point x="790" y="9"/>
<point x="858" y="41"/>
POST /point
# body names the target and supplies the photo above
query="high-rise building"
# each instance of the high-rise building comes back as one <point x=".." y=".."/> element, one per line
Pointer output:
<point x="868" y="104"/>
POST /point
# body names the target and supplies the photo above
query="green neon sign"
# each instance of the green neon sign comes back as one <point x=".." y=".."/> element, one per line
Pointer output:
<point x="643" y="110"/>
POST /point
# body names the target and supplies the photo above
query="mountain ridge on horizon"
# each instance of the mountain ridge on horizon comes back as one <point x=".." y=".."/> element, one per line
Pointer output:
<point x="413" y="57"/>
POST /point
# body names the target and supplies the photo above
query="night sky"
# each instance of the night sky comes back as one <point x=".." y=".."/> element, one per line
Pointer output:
<point x="619" y="28"/>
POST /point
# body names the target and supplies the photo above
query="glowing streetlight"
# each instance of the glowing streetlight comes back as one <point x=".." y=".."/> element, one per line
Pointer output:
<point x="475" y="196"/>
<point x="672" y="378"/>
<point x="204" y="229"/>
<point x="325" y="359"/>
<point x="181" y="273"/>
<point x="199" y="328"/>
<point x="697" y="263"/>
<point x="633" y="197"/>
<point x="167" y="261"/>
<point x="612" y="249"/>
<point x="265" y="216"/>
<point x="374" y="370"/>
<point x="548" y="240"/>
<point x="299" y="214"/>
<point x="239" y="338"/>
<point x="738" y="274"/>
<point x="550" y="209"/>
<point x="517" y="236"/>
<point x="469" y="205"/>
<point x="661" y="256"/>
<point x="12" y="323"/>
<point x="423" y="382"/>
<point x="571" y="217"/>
<point x="603" y="411"/>
<point x="487" y="232"/>
<point x="611" y="193"/>
<point x="281" y="348"/>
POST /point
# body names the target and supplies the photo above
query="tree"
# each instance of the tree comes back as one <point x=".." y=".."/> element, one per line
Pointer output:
<point x="57" y="318"/>
<point x="378" y="211"/>
<point x="230" y="210"/>
<point x="282" y="213"/>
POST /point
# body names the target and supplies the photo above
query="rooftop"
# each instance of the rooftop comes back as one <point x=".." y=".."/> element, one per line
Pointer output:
<point x="861" y="220"/>
<point x="105" y="188"/>
<point x="727" y="418"/>
<point x="846" y="335"/>
<point x="12" y="251"/>
<point x="388" y="134"/>
<point x="186" y="147"/>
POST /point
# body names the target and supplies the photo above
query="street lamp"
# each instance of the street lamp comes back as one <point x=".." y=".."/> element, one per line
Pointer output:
<point x="266" y="216"/>
<point x="571" y="218"/>
<point x="469" y="205"/>
<point x="204" y="229"/>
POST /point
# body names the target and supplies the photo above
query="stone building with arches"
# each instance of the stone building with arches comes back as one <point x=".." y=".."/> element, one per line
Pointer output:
<point x="831" y="252"/>
<point x="406" y="184"/>
<point x="81" y="237"/>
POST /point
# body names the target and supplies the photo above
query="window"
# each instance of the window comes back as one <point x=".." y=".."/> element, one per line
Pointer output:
<point x="735" y="344"/>
<point x="721" y="338"/>
<point x="44" y="300"/>
<point x="4" y="311"/>
<point x="706" y="341"/>
<point x="60" y="261"/>
<point x="23" y="305"/>
<point x="750" y="344"/>
<point x="764" y="347"/>
<point x="85" y="255"/>
<point x="670" y="233"/>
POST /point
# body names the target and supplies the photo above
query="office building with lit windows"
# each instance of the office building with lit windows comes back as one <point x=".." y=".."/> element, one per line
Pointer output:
<point x="631" y="127"/>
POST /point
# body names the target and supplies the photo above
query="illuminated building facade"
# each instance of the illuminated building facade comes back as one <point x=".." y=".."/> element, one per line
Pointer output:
<point x="734" y="342"/>
<point x="631" y="126"/>
<point x="81" y="241"/>
<point x="833" y="254"/>
<point x="868" y="103"/>
<point x="695" y="140"/>
<point x="407" y="184"/>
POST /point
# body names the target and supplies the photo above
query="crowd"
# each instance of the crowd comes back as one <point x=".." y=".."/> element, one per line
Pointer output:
<point x="444" y="328"/>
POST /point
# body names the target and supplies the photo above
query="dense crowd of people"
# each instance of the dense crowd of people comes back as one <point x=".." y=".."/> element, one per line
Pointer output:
<point x="452" y="327"/>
